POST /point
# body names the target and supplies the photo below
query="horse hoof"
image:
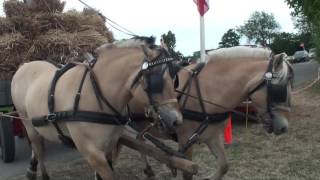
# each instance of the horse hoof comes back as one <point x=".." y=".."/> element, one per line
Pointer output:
<point x="45" y="177"/>
<point x="97" y="176"/>
<point x="149" y="172"/>
<point x="31" y="175"/>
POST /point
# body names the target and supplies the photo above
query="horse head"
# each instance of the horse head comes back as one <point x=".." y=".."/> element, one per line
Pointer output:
<point x="272" y="96"/>
<point x="156" y="77"/>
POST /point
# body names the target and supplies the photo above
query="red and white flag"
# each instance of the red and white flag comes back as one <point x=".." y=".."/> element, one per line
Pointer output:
<point x="203" y="6"/>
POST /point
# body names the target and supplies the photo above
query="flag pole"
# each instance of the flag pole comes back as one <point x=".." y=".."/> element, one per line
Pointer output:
<point x="202" y="40"/>
<point x="203" y="7"/>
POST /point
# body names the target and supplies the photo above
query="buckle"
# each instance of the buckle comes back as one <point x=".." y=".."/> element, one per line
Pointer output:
<point x="51" y="117"/>
<point x="195" y="135"/>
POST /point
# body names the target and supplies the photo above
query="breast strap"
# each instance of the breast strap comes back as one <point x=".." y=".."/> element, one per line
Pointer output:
<point x="76" y="115"/>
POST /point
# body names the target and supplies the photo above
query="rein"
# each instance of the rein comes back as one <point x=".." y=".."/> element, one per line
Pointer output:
<point x="218" y="105"/>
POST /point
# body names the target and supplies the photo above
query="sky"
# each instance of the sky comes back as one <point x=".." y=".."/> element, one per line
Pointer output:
<point x="156" y="17"/>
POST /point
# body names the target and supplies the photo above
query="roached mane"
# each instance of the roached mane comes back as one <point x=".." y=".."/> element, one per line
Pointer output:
<point x="134" y="42"/>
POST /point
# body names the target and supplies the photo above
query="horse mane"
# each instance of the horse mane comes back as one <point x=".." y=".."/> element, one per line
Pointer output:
<point x="135" y="42"/>
<point x="239" y="52"/>
<point x="286" y="72"/>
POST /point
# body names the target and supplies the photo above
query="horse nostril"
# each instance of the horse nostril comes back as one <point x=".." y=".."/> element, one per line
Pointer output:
<point x="283" y="130"/>
<point x="175" y="124"/>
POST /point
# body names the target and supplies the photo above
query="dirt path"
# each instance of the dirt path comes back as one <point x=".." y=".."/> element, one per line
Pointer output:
<point x="258" y="155"/>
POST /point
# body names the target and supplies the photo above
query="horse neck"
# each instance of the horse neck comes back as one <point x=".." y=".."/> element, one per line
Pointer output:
<point x="226" y="83"/>
<point x="114" y="71"/>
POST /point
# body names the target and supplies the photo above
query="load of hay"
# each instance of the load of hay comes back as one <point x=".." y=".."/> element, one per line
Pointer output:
<point x="40" y="30"/>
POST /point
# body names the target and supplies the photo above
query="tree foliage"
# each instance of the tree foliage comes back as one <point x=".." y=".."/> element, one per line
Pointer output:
<point x="169" y="39"/>
<point x="229" y="39"/>
<point x="290" y="42"/>
<point x="260" y="28"/>
<point x="310" y="10"/>
<point x="285" y="42"/>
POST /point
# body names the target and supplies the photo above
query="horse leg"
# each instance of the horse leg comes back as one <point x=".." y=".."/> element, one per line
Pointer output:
<point x="97" y="160"/>
<point x="32" y="170"/>
<point x="183" y="137"/>
<point x="37" y="157"/>
<point x="95" y="145"/>
<point x="148" y="169"/>
<point x="188" y="155"/>
<point x="216" y="146"/>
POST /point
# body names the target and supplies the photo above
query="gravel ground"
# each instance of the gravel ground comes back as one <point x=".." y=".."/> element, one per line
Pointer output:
<point x="256" y="155"/>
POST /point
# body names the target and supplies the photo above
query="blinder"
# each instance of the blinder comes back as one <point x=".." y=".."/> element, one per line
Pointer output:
<point x="278" y="93"/>
<point x="154" y="80"/>
<point x="155" y="83"/>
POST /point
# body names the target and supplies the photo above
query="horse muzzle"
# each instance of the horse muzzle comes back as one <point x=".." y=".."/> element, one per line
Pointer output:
<point x="170" y="117"/>
<point x="275" y="123"/>
<point x="279" y="124"/>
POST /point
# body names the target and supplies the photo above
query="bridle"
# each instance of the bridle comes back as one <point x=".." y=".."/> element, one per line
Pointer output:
<point x="152" y="73"/>
<point x="276" y="93"/>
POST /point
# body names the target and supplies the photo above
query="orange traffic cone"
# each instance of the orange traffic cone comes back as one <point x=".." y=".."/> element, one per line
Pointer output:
<point x="228" y="131"/>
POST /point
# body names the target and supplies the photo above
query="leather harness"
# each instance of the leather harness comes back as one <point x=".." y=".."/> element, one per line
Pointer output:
<point x="77" y="115"/>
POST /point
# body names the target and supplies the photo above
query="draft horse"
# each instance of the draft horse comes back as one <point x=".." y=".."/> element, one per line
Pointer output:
<point x="226" y="82"/>
<point x="84" y="105"/>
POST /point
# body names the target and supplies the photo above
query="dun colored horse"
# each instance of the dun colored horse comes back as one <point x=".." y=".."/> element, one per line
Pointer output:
<point x="229" y="78"/>
<point x="84" y="105"/>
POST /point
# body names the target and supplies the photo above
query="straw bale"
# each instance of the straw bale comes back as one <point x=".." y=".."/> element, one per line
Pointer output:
<point x="89" y="40"/>
<point x="89" y="11"/>
<point x="72" y="21"/>
<point x="25" y="25"/>
<point x="12" y="43"/>
<point x="45" y="5"/>
<point x="38" y="30"/>
<point x="13" y="47"/>
<point x="56" y="45"/>
<point x="47" y="21"/>
<point x="6" y="26"/>
<point x="15" y="8"/>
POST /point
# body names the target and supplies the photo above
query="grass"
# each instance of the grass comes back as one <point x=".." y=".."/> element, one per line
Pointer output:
<point x="315" y="89"/>
<point x="258" y="155"/>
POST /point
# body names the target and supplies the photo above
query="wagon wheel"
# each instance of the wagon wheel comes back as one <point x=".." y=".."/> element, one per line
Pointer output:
<point x="7" y="143"/>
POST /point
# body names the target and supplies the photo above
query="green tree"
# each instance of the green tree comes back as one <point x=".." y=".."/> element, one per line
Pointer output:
<point x="229" y="39"/>
<point x="285" y="42"/>
<point x="302" y="24"/>
<point x="260" y="28"/>
<point x="310" y="10"/>
<point x="289" y="42"/>
<point x="169" y="39"/>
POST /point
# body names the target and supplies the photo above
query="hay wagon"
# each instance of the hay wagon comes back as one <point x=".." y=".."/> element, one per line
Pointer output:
<point x="9" y="127"/>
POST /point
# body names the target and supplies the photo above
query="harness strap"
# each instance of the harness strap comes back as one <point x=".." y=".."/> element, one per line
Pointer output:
<point x="200" y="96"/>
<point x="194" y="72"/>
<point x="203" y="116"/>
<point x="205" y="120"/>
<point x="99" y="95"/>
<point x="65" y="139"/>
<point x="79" y="116"/>
<point x="75" y="115"/>
<point x="77" y="98"/>
<point x="55" y="79"/>
<point x="188" y="92"/>
<point x="200" y="117"/>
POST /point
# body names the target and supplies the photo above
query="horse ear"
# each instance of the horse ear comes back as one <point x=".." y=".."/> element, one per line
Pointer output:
<point x="278" y="60"/>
